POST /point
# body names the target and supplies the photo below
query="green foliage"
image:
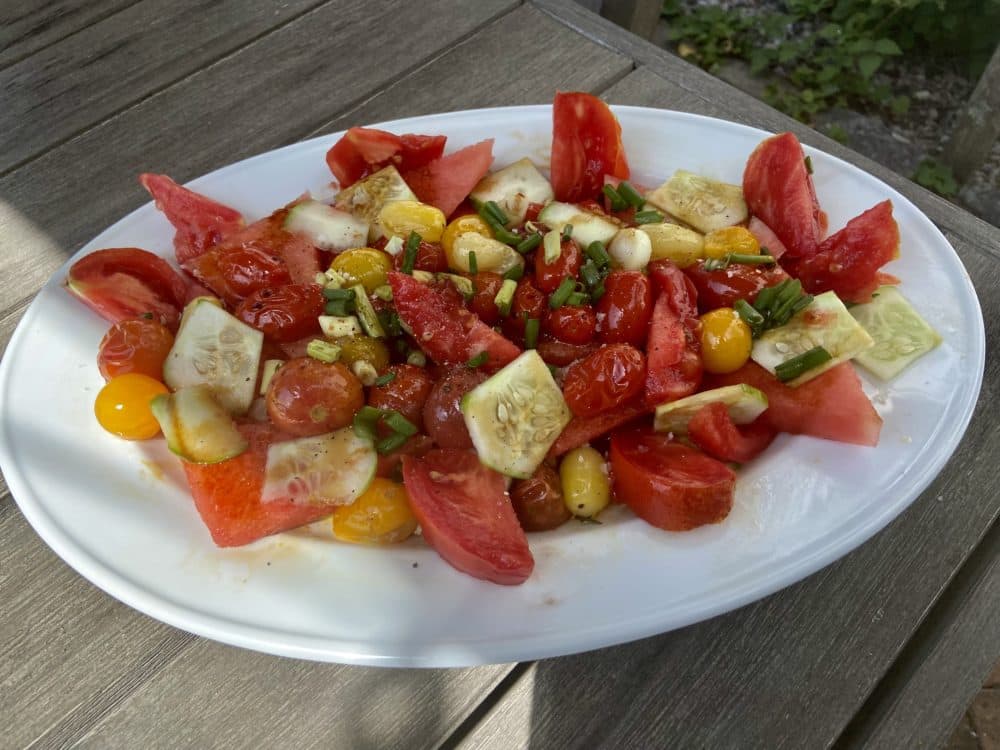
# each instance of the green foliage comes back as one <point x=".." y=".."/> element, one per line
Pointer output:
<point x="829" y="53"/>
<point x="936" y="176"/>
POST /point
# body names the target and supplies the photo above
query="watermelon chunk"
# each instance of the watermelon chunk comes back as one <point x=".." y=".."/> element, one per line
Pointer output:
<point x="446" y="181"/>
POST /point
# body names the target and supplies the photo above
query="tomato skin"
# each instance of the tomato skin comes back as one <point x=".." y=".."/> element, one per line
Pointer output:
<point x="529" y="302"/>
<point x="234" y="274"/>
<point x="134" y="345"/>
<point x="722" y="288"/>
<point x="533" y="210"/>
<point x="466" y="516"/>
<point x="604" y="380"/>
<point x="442" y="414"/>
<point x="560" y="354"/>
<point x="575" y="324"/>
<point x="430" y="257"/>
<point x="586" y="145"/>
<point x="623" y="313"/>
<point x="362" y="151"/>
<point x="538" y="500"/>
<point x="668" y="484"/>
<point x="127" y="282"/>
<point x="583" y="430"/>
<point x="673" y="349"/>
<point x="486" y="285"/>
<point x="406" y="393"/>
<point x="122" y="406"/>
<point x="309" y="397"/>
<point x="548" y="276"/>
<point x="712" y="430"/>
<point x="284" y="314"/>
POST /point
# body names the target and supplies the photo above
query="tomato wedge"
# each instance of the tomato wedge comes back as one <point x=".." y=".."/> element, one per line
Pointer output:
<point x="445" y="330"/>
<point x="466" y="515"/>
<point x="446" y="181"/>
<point x="673" y="348"/>
<point x="669" y="484"/>
<point x="713" y="430"/>
<point x="723" y="287"/>
<point x="586" y="146"/>
<point x="200" y="222"/>
<point x="362" y="151"/>
<point x="126" y="282"/>
<point x="582" y="430"/>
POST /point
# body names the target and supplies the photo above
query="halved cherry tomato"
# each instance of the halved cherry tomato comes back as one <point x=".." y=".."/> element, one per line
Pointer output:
<point x="673" y="349"/>
<point x="485" y="286"/>
<point x="538" y="500"/>
<point x="576" y="324"/>
<point x="548" y="276"/>
<point x="529" y="302"/>
<point x="389" y="464"/>
<point x="234" y="273"/>
<point x="604" y="380"/>
<point x="624" y="311"/>
<point x="309" y="397"/>
<point x="125" y="282"/>
<point x="135" y="345"/>
<point x="723" y="287"/>
<point x="286" y="313"/>
<point x="583" y="430"/>
<point x="586" y="145"/>
<point x="200" y="222"/>
<point x="430" y="257"/>
<point x="442" y="415"/>
<point x="466" y="516"/>
<point x="362" y="151"/>
<point x="712" y="430"/>
<point x="406" y="392"/>
<point x="559" y="353"/>
<point x="669" y="484"/>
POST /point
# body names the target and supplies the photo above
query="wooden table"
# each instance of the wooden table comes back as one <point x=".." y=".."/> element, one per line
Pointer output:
<point x="884" y="647"/>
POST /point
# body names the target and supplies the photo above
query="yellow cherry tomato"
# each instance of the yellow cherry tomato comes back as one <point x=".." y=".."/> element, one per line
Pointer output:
<point x="122" y="406"/>
<point x="364" y="349"/>
<point x="467" y="223"/>
<point x="726" y="341"/>
<point x="399" y="218"/>
<point x="364" y="265"/>
<point x="585" y="485"/>
<point x="721" y="242"/>
<point x="381" y="515"/>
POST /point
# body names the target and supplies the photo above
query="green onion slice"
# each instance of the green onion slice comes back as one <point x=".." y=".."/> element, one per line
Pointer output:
<point x="630" y="195"/>
<point x="560" y="295"/>
<point x="531" y="326"/>
<point x="806" y="361"/>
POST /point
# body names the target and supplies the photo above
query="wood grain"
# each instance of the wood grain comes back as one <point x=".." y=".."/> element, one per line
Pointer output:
<point x="117" y="61"/>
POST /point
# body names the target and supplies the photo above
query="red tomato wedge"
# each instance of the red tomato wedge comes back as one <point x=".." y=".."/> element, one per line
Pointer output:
<point x="831" y="406"/>
<point x="127" y="282"/>
<point x="713" y="430"/>
<point x="586" y="146"/>
<point x="669" y="484"/>
<point x="673" y="349"/>
<point x="445" y="330"/>
<point x="766" y="237"/>
<point x="777" y="188"/>
<point x="362" y="151"/>
<point x="446" y="181"/>
<point x="227" y="495"/>
<point x="848" y="262"/>
<point x="200" y="222"/>
<point x="582" y="430"/>
<point x="466" y="515"/>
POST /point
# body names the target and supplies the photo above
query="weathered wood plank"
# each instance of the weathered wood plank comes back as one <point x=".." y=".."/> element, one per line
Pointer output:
<point x="113" y="63"/>
<point x="26" y="27"/>
<point x="817" y="649"/>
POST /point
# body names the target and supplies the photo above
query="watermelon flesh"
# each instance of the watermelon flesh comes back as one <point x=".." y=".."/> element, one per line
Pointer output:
<point x="447" y="180"/>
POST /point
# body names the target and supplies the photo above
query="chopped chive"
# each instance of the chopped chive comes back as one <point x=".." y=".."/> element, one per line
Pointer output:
<point x="591" y="276"/>
<point x="478" y="361"/>
<point x="335" y="294"/>
<point x="616" y="201"/>
<point x="531" y="326"/>
<point x="473" y="263"/>
<point x="324" y="351"/>
<point x="529" y="243"/>
<point x="597" y="291"/>
<point x="765" y="250"/>
<point x="595" y="250"/>
<point x="383" y="292"/>
<point x="340" y="307"/>
<point x="648" y="217"/>
<point x="560" y="295"/>
<point x="750" y="316"/>
<point x="390" y="323"/>
<point x="715" y="264"/>
<point x="410" y="253"/>
<point x="804" y="362"/>
<point x="364" y="422"/>
<point x="809" y="164"/>
<point x="392" y="442"/>
<point x="515" y="273"/>
<point x="765" y="297"/>
<point x="567" y="232"/>
<point x="505" y="297"/>
<point x="630" y="195"/>
<point x="385" y="379"/>
<point x="495" y="213"/>
<point x="147" y="316"/>
<point x="501" y="233"/>
<point x="751" y="260"/>
<point x="578" y="298"/>
<point x="398" y="423"/>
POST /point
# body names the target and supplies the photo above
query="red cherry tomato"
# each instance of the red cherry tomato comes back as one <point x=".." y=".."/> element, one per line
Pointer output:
<point x="135" y="345"/>
<point x="235" y="273"/>
<point x="668" y="484"/>
<point x="722" y="288"/>
<point x="362" y="151"/>
<point x="533" y="210"/>
<point x="712" y="430"/>
<point x="604" y="380"/>
<point x="443" y="419"/>
<point x="538" y="500"/>
<point x="559" y="353"/>
<point x="286" y="313"/>
<point x="466" y="516"/>
<point x="406" y="392"/>
<point x="309" y="397"/>
<point x="586" y="145"/>
<point x="485" y="286"/>
<point x="548" y="276"/>
<point x="430" y="257"/>
<point x="624" y="311"/>
<point x="573" y="324"/>
<point x="529" y="302"/>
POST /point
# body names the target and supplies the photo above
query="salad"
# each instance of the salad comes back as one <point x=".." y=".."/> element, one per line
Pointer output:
<point x="483" y="351"/>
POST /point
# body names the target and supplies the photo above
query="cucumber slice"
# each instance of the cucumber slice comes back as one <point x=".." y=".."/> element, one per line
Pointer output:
<point x="516" y="416"/>
<point x="267" y="372"/>
<point x="326" y="227"/>
<point x="366" y="197"/>
<point x="214" y="348"/>
<point x="825" y="322"/>
<point x="329" y="469"/>
<point x="463" y="284"/>
<point x="491" y="254"/>
<point x="336" y="327"/>
<point x="699" y="201"/>
<point x="196" y="428"/>
<point x="587" y="227"/>
<point x="513" y="188"/>
<point x="901" y="335"/>
<point x="675" y="243"/>
<point x="744" y="402"/>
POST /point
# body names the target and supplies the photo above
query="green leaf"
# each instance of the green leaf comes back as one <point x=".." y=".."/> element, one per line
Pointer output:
<point x="887" y="47"/>
<point x="900" y="105"/>
<point x="868" y="63"/>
